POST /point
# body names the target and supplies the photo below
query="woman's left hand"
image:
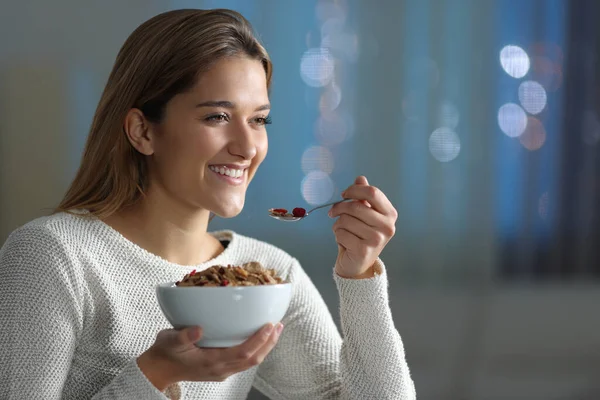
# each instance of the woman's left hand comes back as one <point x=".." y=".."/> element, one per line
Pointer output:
<point x="363" y="228"/>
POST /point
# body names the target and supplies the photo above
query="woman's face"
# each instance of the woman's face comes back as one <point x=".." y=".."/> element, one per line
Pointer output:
<point x="213" y="137"/>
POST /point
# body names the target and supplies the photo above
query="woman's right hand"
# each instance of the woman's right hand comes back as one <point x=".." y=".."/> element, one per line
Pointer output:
<point x="174" y="357"/>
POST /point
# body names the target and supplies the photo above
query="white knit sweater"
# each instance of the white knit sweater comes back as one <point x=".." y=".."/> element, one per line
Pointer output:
<point x="78" y="307"/>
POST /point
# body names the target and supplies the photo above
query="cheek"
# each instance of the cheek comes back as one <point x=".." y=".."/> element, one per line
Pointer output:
<point x="261" y="148"/>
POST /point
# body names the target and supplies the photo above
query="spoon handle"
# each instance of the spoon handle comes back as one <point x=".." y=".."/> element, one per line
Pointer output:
<point x="327" y="205"/>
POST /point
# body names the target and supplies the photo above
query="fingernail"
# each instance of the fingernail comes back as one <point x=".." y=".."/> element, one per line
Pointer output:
<point x="279" y="328"/>
<point x="344" y="193"/>
<point x="330" y="213"/>
<point x="268" y="329"/>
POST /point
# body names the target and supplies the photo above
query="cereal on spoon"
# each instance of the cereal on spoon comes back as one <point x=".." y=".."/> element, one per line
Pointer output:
<point x="297" y="212"/>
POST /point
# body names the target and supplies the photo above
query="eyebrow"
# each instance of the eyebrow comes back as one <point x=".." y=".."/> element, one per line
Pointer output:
<point x="229" y="104"/>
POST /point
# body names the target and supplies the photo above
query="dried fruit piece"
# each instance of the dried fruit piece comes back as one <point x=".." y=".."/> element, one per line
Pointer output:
<point x="278" y="211"/>
<point x="299" y="212"/>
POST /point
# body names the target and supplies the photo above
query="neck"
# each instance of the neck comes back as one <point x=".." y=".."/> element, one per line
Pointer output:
<point x="167" y="228"/>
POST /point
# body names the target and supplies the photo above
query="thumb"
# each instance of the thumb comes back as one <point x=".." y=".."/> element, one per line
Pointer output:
<point x="361" y="180"/>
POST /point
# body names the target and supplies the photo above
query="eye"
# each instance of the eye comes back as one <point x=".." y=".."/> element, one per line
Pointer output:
<point x="263" y="120"/>
<point x="218" y="118"/>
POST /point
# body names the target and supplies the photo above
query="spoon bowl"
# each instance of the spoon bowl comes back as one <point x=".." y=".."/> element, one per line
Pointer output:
<point x="288" y="217"/>
<point x="285" y="218"/>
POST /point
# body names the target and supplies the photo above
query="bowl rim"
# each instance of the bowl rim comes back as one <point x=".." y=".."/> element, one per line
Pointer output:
<point x="171" y="285"/>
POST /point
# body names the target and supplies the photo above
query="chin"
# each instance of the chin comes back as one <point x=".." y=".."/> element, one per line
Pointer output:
<point x="227" y="210"/>
<point x="227" y="214"/>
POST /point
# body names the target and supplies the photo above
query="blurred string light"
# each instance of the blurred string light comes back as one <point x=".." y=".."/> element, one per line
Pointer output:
<point x="317" y="158"/>
<point x="548" y="73"/>
<point x="444" y="144"/>
<point x="544" y="66"/>
<point x="330" y="99"/>
<point x="532" y="96"/>
<point x="317" y="187"/>
<point x="534" y="136"/>
<point x="547" y="65"/>
<point x="325" y="10"/>
<point x="319" y="68"/>
<point x="332" y="129"/>
<point x="448" y="115"/>
<point x="514" y="61"/>
<point x="338" y="41"/>
<point x="512" y="119"/>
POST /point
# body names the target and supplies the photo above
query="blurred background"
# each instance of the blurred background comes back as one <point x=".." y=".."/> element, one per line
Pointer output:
<point x="478" y="118"/>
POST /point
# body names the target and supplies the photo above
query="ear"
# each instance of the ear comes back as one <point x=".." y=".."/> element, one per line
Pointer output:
<point x="139" y="131"/>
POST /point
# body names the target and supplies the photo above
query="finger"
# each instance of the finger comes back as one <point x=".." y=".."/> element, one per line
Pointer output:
<point x="261" y="353"/>
<point x="354" y="226"/>
<point x="372" y="195"/>
<point x="360" y="211"/>
<point x="361" y="180"/>
<point x="347" y="239"/>
<point x="181" y="338"/>
<point x="247" y="349"/>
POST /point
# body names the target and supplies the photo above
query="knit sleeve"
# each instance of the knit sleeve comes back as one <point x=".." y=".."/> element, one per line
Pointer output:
<point x="311" y="361"/>
<point x="41" y="317"/>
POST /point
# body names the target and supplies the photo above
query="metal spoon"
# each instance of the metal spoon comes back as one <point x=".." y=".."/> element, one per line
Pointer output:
<point x="291" y="218"/>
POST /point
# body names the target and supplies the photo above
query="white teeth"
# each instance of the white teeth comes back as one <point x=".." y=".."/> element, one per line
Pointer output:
<point x="234" y="173"/>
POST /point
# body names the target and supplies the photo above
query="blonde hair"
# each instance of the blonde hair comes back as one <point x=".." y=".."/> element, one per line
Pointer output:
<point x="161" y="58"/>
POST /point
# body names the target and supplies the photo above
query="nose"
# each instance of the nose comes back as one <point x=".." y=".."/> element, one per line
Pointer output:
<point x="243" y="141"/>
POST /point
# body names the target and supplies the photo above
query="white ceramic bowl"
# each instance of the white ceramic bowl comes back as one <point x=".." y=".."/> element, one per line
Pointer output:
<point x="227" y="315"/>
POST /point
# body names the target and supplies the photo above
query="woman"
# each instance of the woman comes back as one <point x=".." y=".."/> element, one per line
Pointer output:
<point x="178" y="134"/>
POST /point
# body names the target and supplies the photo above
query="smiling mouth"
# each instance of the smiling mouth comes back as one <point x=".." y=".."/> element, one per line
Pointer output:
<point x="226" y="171"/>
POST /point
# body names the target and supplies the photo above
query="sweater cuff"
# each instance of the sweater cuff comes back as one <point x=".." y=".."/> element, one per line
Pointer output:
<point x="370" y="292"/>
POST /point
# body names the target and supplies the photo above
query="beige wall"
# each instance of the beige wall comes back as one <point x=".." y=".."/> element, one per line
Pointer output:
<point x="34" y="142"/>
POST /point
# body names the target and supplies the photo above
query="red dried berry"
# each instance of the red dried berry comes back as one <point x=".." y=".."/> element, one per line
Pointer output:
<point x="193" y="272"/>
<point x="225" y="282"/>
<point x="299" y="212"/>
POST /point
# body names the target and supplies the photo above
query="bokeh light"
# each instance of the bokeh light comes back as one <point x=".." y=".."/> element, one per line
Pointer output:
<point x="548" y="73"/>
<point x="330" y="99"/>
<point x="332" y="129"/>
<point x="448" y="115"/>
<point x="332" y="26"/>
<point x="512" y="119"/>
<point x="317" y="67"/>
<point x="317" y="158"/>
<point x="317" y="188"/>
<point x="532" y="96"/>
<point x="343" y="45"/>
<point x="534" y="136"/>
<point x="444" y="144"/>
<point x="326" y="10"/>
<point x="514" y="61"/>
